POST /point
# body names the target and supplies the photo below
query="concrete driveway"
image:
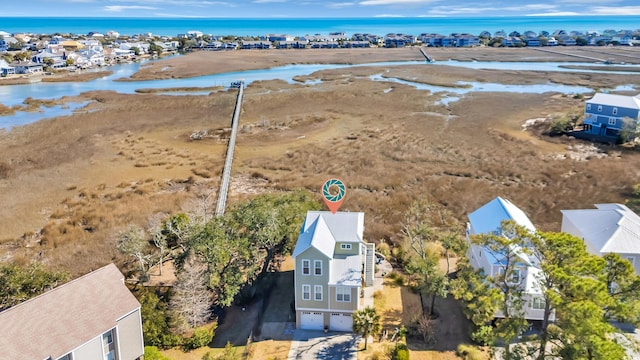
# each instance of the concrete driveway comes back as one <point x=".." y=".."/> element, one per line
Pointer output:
<point x="312" y="345"/>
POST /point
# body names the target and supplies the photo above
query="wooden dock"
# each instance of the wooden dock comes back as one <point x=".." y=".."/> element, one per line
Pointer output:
<point x="226" y="174"/>
<point x="427" y="57"/>
<point x="569" y="54"/>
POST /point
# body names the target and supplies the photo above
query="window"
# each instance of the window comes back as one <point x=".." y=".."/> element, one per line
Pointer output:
<point x="343" y="294"/>
<point x="612" y="121"/>
<point x="632" y="260"/>
<point x="306" y="292"/>
<point x="537" y="303"/>
<point x="588" y="107"/>
<point x="317" y="266"/>
<point x="317" y="292"/>
<point x="599" y="108"/>
<point x="107" y="338"/>
<point x="345" y="246"/>
<point x="306" y="267"/>
<point x="66" y="357"/>
<point x="615" y="111"/>
<point x="108" y="346"/>
<point x="515" y="276"/>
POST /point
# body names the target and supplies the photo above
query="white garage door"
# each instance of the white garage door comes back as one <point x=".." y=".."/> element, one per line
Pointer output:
<point x="311" y="321"/>
<point x="341" y="322"/>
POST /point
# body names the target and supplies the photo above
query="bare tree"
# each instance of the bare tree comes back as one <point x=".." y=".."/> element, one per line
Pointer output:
<point x="133" y="242"/>
<point x="158" y="236"/>
<point x="191" y="301"/>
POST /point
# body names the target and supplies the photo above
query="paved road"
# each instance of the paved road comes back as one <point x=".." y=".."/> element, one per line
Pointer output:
<point x="312" y="345"/>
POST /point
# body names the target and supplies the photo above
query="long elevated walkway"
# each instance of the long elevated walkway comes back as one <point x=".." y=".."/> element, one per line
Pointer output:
<point x="226" y="174"/>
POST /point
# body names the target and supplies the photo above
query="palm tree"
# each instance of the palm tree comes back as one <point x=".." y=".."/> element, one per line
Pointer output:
<point x="366" y="322"/>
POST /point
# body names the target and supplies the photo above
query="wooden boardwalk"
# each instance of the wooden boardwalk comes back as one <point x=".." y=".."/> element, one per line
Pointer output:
<point x="226" y="174"/>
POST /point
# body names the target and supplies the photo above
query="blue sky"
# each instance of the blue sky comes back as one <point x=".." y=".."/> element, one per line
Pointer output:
<point x="316" y="8"/>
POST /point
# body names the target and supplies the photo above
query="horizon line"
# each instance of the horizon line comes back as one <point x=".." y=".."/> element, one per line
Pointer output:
<point x="320" y="17"/>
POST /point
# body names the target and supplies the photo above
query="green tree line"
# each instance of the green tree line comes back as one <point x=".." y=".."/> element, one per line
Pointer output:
<point x="215" y="258"/>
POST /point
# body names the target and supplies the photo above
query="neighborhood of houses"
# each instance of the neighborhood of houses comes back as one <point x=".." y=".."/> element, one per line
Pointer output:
<point x="33" y="53"/>
<point x="97" y="317"/>
<point x="609" y="228"/>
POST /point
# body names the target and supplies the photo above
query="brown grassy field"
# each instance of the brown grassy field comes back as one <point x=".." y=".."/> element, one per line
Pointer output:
<point x="69" y="184"/>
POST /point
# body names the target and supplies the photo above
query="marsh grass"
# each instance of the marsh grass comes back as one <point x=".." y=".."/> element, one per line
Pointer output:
<point x="388" y="147"/>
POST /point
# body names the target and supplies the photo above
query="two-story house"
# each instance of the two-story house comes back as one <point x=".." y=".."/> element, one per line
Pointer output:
<point x="609" y="228"/>
<point x="94" y="317"/>
<point x="606" y="115"/>
<point x="488" y="219"/>
<point x="332" y="265"/>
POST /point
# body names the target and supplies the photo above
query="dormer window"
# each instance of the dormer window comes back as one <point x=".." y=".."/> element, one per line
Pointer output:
<point x="345" y="246"/>
<point x="599" y="108"/>
<point x="588" y="107"/>
<point x="615" y="111"/>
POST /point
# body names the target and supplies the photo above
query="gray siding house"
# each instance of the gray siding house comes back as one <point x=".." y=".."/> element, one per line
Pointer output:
<point x="604" y="114"/>
<point x="94" y="317"/>
<point x="330" y="259"/>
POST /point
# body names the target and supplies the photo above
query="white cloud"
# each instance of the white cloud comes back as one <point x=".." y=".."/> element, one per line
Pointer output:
<point x="535" y="7"/>
<point x="446" y="10"/>
<point x="557" y="13"/>
<point x="340" y="5"/>
<point x="197" y="3"/>
<point x="618" y="10"/>
<point x="586" y="2"/>
<point x="388" y="16"/>
<point x="268" y="1"/>
<point x="395" y="2"/>
<point x="119" y="8"/>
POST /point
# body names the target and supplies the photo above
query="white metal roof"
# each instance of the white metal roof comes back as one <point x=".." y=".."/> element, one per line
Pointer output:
<point x="608" y="228"/>
<point x="489" y="217"/>
<point x="629" y="102"/>
<point x="317" y="235"/>
<point x="322" y="229"/>
<point x="345" y="226"/>
<point x="346" y="270"/>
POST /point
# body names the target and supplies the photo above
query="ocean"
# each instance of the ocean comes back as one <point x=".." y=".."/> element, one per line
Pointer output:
<point x="310" y="26"/>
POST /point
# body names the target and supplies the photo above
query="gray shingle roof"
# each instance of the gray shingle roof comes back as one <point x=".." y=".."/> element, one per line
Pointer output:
<point x="60" y="320"/>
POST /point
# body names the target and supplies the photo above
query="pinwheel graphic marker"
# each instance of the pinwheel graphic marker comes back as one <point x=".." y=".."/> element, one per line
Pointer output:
<point x="333" y="192"/>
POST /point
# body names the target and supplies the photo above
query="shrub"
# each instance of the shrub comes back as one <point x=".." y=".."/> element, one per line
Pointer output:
<point x="152" y="353"/>
<point x="483" y="335"/>
<point x="397" y="278"/>
<point x="384" y="249"/>
<point x="401" y="352"/>
<point x="468" y="352"/>
<point x="560" y="126"/>
<point x="201" y="336"/>
<point x="229" y="353"/>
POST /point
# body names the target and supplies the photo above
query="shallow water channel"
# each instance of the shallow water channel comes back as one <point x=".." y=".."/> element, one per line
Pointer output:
<point x="11" y="95"/>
